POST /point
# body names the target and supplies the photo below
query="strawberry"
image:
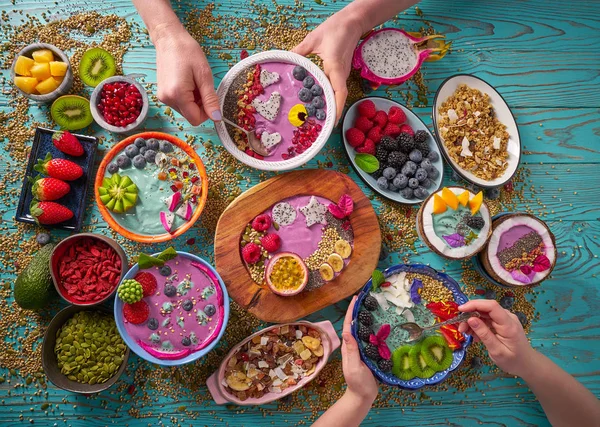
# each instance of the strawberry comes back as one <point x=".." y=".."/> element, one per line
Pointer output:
<point x="271" y="242"/>
<point x="355" y="137"/>
<point x="148" y="282"/>
<point x="251" y="253"/>
<point x="396" y="115"/>
<point x="367" y="148"/>
<point x="49" y="212"/>
<point x="406" y="128"/>
<point x="381" y="119"/>
<point x="48" y="188"/>
<point x="66" y="142"/>
<point x="59" y="168"/>
<point x="363" y="124"/>
<point x="375" y="134"/>
<point x="367" y="109"/>
<point x="261" y="222"/>
<point x="137" y="312"/>
<point x="391" y="129"/>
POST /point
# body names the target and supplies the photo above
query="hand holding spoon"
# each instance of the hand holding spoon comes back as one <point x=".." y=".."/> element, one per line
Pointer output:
<point x="415" y="331"/>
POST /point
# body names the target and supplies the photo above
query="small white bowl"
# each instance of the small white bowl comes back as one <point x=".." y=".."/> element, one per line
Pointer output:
<point x="97" y="115"/>
<point x="290" y="58"/>
<point x="502" y="112"/>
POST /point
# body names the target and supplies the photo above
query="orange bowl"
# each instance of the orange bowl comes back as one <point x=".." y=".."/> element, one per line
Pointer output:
<point x="158" y="237"/>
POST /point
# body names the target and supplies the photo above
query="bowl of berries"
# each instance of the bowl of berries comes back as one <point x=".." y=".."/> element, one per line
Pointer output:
<point x="119" y="104"/>
<point x="392" y="150"/>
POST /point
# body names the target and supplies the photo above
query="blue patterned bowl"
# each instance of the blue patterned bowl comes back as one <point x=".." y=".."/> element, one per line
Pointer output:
<point x="459" y="355"/>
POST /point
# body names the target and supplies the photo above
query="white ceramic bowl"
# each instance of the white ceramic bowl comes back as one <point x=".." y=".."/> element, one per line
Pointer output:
<point x="502" y="112"/>
<point x="414" y="122"/>
<point x="286" y="57"/>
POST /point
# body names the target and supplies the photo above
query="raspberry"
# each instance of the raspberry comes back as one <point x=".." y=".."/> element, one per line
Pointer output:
<point x="406" y="128"/>
<point x="367" y="109"/>
<point x="391" y="129"/>
<point x="251" y="253"/>
<point x="381" y="119"/>
<point x="396" y="115"/>
<point x="130" y="291"/>
<point x="148" y="282"/>
<point x="367" y="148"/>
<point x="355" y="137"/>
<point x="136" y="313"/>
<point x="271" y="242"/>
<point x="375" y="134"/>
<point x="363" y="124"/>
<point x="261" y="222"/>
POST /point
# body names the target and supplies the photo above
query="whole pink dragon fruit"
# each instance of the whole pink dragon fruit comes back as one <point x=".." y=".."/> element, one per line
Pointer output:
<point x="390" y="56"/>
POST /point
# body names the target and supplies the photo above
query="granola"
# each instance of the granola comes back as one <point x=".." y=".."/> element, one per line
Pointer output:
<point x="475" y="139"/>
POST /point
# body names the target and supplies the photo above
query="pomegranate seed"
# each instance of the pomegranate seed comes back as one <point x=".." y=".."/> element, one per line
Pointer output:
<point x="174" y="188"/>
<point x="194" y="179"/>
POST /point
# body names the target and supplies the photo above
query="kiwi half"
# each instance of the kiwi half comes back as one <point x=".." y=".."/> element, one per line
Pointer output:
<point x="401" y="363"/>
<point x="436" y="352"/>
<point x="96" y="65"/>
<point x="418" y="365"/>
<point x="71" y="112"/>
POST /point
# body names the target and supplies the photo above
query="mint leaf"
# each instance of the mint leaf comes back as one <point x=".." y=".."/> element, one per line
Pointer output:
<point x="168" y="254"/>
<point x="147" y="261"/>
<point x="377" y="279"/>
<point x="366" y="162"/>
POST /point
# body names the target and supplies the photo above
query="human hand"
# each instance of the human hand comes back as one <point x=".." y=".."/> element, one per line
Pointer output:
<point x="501" y="333"/>
<point x="360" y="379"/>
<point x="185" y="80"/>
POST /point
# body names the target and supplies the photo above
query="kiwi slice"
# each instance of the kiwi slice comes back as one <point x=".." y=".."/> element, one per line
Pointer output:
<point x="418" y="365"/>
<point x="96" y="65"/>
<point x="118" y="193"/>
<point x="401" y="363"/>
<point x="71" y="112"/>
<point x="436" y="352"/>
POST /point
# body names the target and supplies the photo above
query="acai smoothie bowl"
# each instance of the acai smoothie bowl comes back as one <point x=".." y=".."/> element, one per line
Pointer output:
<point x="171" y="308"/>
<point x="151" y="187"/>
<point x="284" y="101"/>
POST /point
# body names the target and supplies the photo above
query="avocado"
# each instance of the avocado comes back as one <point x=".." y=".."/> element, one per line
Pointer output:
<point x="33" y="287"/>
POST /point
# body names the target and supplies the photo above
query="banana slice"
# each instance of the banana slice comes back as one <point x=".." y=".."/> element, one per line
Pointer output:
<point x="319" y="351"/>
<point x="343" y="248"/>
<point x="326" y="272"/>
<point x="238" y="381"/>
<point x="310" y="342"/>
<point x="336" y="262"/>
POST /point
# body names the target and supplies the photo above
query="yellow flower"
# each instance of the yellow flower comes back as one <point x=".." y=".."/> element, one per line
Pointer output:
<point x="297" y="115"/>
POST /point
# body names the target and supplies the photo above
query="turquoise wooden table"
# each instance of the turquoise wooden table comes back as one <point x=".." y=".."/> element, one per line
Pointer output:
<point x="538" y="54"/>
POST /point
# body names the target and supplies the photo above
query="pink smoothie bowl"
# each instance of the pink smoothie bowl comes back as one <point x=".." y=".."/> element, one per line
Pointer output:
<point x="330" y="342"/>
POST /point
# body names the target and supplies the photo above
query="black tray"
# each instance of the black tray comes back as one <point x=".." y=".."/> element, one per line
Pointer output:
<point x="76" y="198"/>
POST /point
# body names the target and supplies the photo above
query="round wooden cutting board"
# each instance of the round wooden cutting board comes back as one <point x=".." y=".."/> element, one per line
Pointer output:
<point x="259" y="300"/>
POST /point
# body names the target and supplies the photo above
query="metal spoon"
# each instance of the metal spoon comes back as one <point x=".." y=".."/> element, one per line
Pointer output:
<point x="253" y="141"/>
<point x="415" y="331"/>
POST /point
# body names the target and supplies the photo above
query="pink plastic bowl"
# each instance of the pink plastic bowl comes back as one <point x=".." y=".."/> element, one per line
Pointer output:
<point x="329" y="340"/>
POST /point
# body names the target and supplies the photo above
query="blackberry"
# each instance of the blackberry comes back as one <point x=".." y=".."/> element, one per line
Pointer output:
<point x="388" y="143"/>
<point x="370" y="302"/>
<point x="406" y="143"/>
<point x="372" y="352"/>
<point x="385" y="365"/>
<point x="364" y="332"/>
<point x="365" y="318"/>
<point x="381" y="153"/>
<point x="423" y="147"/>
<point x="507" y="302"/>
<point x="420" y="136"/>
<point x="475" y="222"/>
<point x="379" y="172"/>
<point x="397" y="159"/>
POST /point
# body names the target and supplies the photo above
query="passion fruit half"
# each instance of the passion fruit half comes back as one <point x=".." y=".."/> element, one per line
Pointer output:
<point x="286" y="274"/>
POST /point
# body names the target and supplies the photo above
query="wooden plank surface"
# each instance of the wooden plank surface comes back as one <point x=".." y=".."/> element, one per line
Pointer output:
<point x="541" y="57"/>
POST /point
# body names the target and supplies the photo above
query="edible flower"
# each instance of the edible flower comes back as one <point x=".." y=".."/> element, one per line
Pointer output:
<point x="444" y="310"/>
<point x="452" y="336"/>
<point x="378" y="340"/>
<point x="455" y="240"/>
<point x="541" y="263"/>
<point x="520" y="276"/>
<point x="344" y="207"/>
<point x="415" y="291"/>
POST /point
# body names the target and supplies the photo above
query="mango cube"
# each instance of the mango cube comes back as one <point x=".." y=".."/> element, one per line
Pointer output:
<point x="450" y="198"/>
<point x="43" y="55"/>
<point x="463" y="198"/>
<point x="26" y="84"/>
<point x="23" y="66"/>
<point x="59" y="79"/>
<point x="40" y="70"/>
<point x="47" y="86"/>
<point x="58" y="69"/>
<point x="475" y="203"/>
<point x="439" y="206"/>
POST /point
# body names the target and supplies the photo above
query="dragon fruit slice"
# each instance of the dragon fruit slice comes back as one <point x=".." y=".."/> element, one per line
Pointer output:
<point x="391" y="56"/>
<point x="314" y="212"/>
<point x="167" y="219"/>
<point x="269" y="109"/>
<point x="185" y="211"/>
<point x="283" y="214"/>
<point x="173" y="201"/>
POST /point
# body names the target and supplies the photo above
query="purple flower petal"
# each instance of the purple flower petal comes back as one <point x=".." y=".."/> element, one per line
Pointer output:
<point x="518" y="275"/>
<point x="415" y="296"/>
<point x="455" y="240"/>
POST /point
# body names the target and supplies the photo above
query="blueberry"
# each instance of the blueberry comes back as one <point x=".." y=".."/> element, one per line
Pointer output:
<point x="383" y="253"/>
<point x="421" y="193"/>
<point x="123" y="161"/>
<point x="432" y="173"/>
<point x="131" y="151"/>
<point x="392" y="187"/>
<point x="139" y="161"/>
<point x="318" y="102"/>
<point x="492" y="193"/>
<point x="320" y="114"/>
<point x="476" y="363"/>
<point x="304" y="95"/>
<point x="455" y="177"/>
<point x="112" y="168"/>
<point x="152" y="324"/>
<point x="210" y="310"/>
<point x="421" y="174"/>
<point x="426" y="164"/>
<point x="140" y="142"/>
<point x="389" y="173"/>
<point x="433" y="156"/>
<point x="416" y="156"/>
<point x="413" y="183"/>
<point x="152" y="144"/>
<point x="150" y="156"/>
<point x="409" y="168"/>
<point x="522" y="318"/>
<point x="407" y="193"/>
<point x="170" y="290"/>
<point x="165" y="270"/>
<point x="308" y="82"/>
<point x="426" y="183"/>
<point x="143" y="150"/>
<point x="489" y="294"/>
<point x="316" y="90"/>
<point x="474" y="188"/>
<point x="187" y="304"/>
<point x="312" y="111"/>
<point x="382" y="183"/>
<point x="186" y="341"/>
<point x="42" y="238"/>
<point x="507" y="302"/>
<point x="165" y="146"/>
<point x="401" y="181"/>
<point x="299" y="73"/>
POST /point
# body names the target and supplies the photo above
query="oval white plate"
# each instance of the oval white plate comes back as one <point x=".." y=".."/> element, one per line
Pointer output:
<point x="290" y="58"/>
<point x="503" y="114"/>
<point x="414" y="122"/>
